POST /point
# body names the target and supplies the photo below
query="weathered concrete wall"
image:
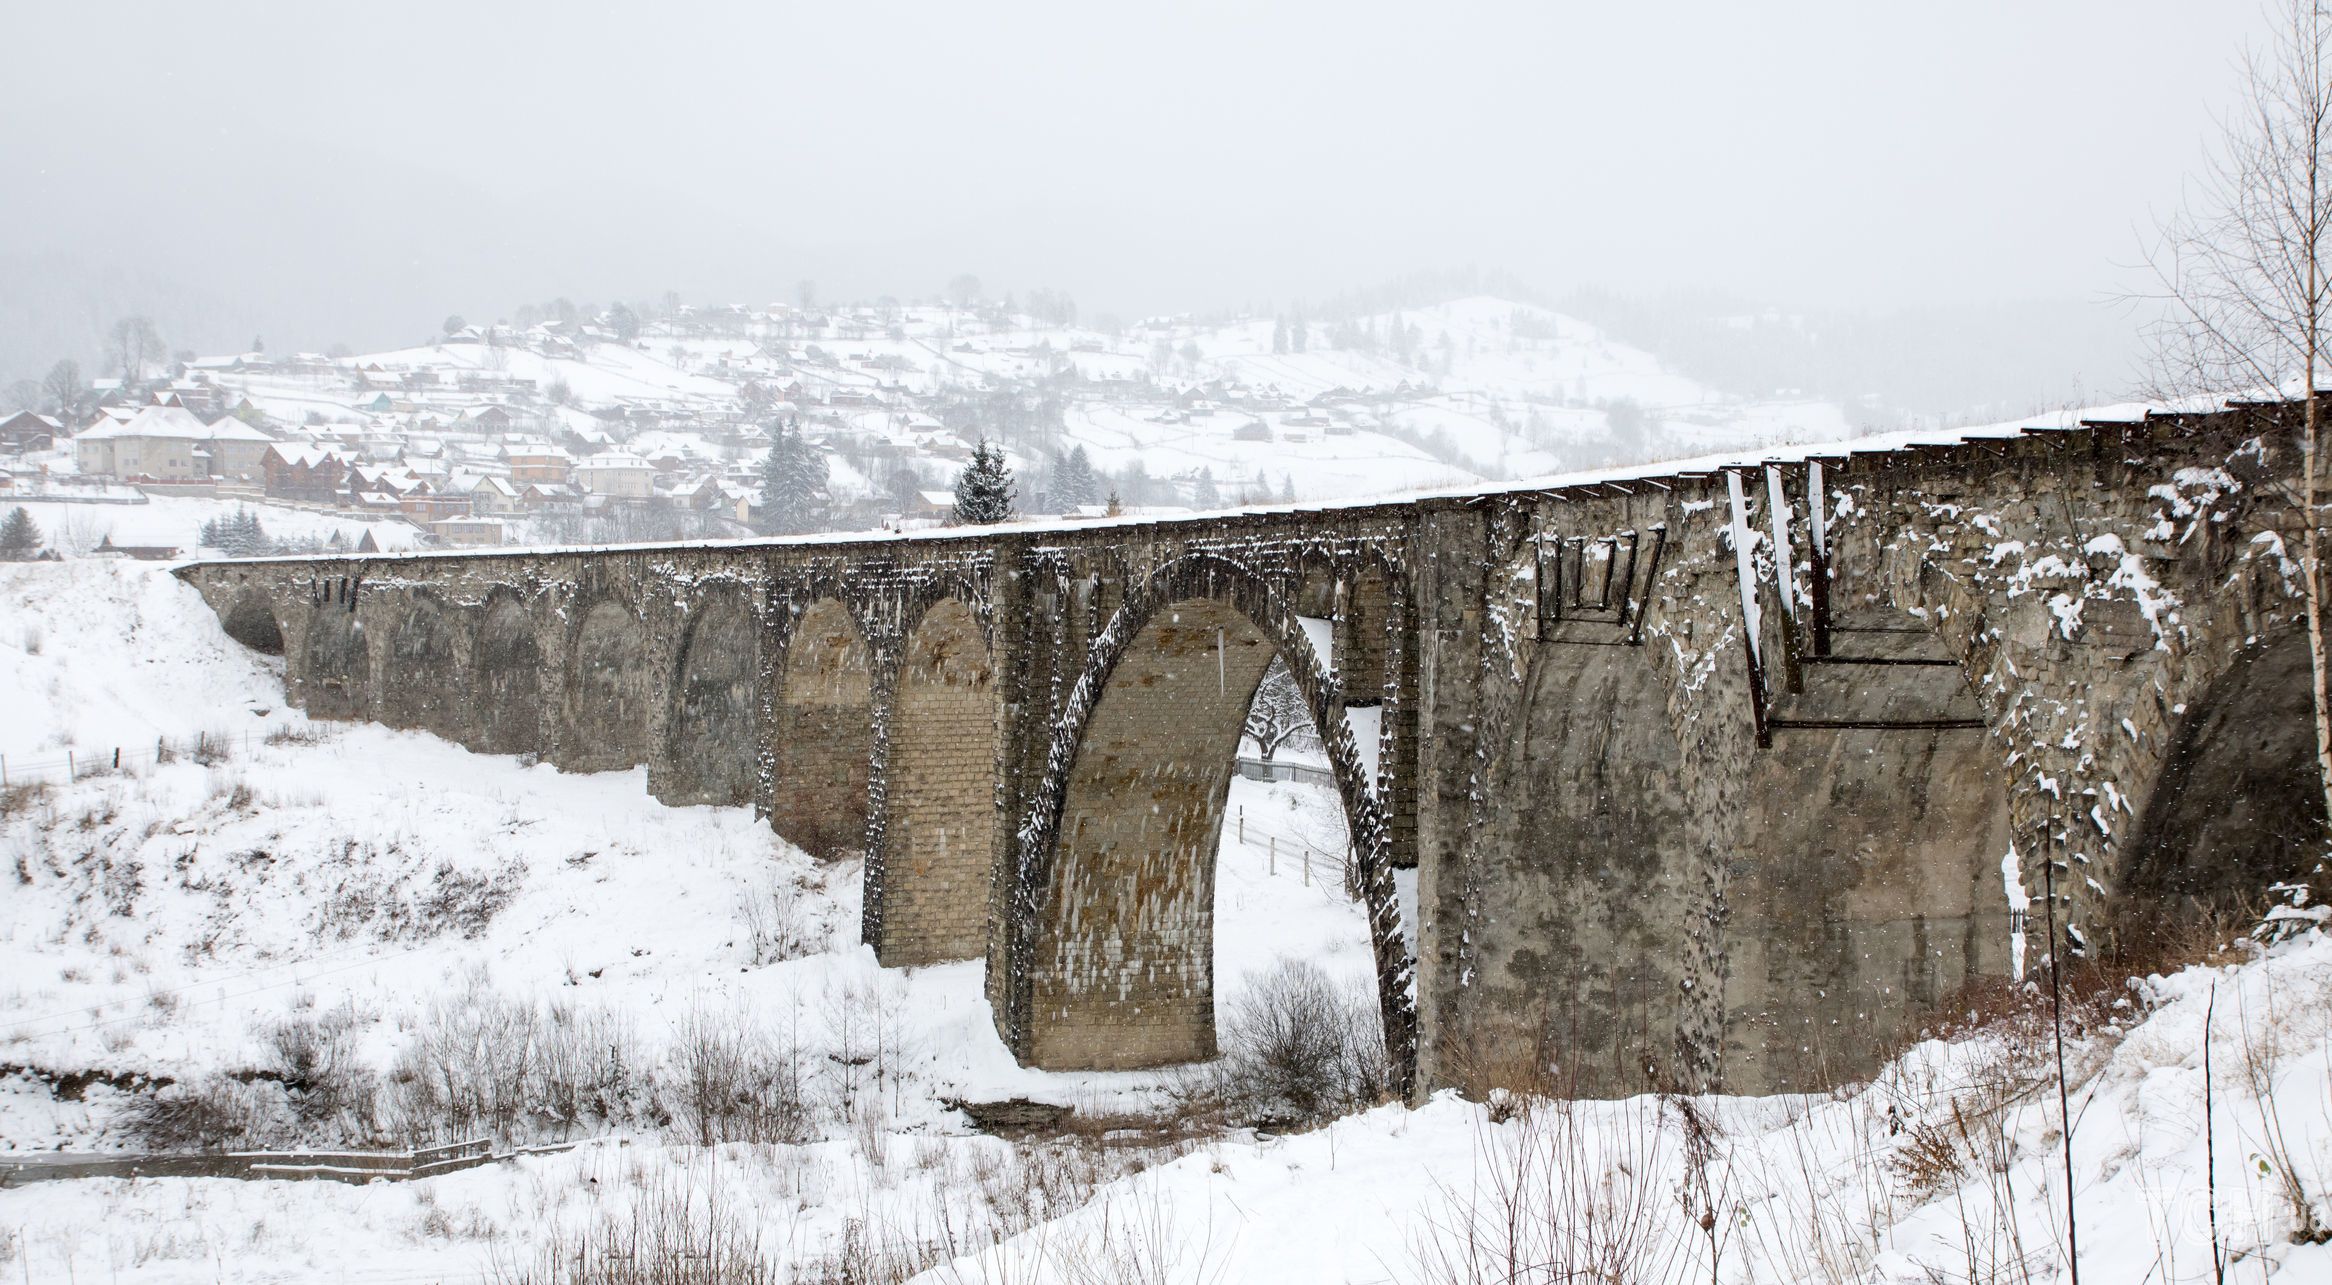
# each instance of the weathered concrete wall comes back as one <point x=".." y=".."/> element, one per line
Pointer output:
<point x="1634" y="857"/>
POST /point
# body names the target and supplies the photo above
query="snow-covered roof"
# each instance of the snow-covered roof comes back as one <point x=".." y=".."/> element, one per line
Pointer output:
<point x="305" y="456"/>
<point x="176" y="422"/>
<point x="614" y="460"/>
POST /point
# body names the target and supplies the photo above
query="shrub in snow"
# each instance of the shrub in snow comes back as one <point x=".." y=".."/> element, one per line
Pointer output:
<point x="778" y="925"/>
<point x="726" y="1081"/>
<point x="217" y="1113"/>
<point x="317" y="1062"/>
<point x="1298" y="1049"/>
<point x="481" y="1063"/>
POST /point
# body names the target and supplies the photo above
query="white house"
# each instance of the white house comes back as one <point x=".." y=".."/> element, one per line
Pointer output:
<point x="617" y="475"/>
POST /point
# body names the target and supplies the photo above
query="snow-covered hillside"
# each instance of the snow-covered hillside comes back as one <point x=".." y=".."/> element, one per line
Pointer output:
<point x="1172" y="411"/>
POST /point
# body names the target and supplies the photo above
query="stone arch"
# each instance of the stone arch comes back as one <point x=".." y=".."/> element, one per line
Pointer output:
<point x="609" y="691"/>
<point x="420" y="683"/>
<point x="928" y="889"/>
<point x="506" y="681"/>
<point x="2238" y="805"/>
<point x="1109" y="960"/>
<point x="821" y="732"/>
<point x="251" y="622"/>
<point x="335" y="664"/>
<point x="712" y="741"/>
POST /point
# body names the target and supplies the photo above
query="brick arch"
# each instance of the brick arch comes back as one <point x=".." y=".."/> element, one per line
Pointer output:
<point x="2238" y="805"/>
<point x="713" y="728"/>
<point x="420" y="675"/>
<point x="936" y="834"/>
<point x="251" y="622"/>
<point x="1153" y="722"/>
<point x="609" y="689"/>
<point x="820" y="728"/>
<point x="506" y="679"/>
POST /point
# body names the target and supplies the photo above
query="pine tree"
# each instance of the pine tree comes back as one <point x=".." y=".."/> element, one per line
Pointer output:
<point x="983" y="493"/>
<point x="793" y="485"/>
<point x="250" y="538"/>
<point x="1074" y="481"/>
<point x="19" y="538"/>
<point x="1204" y="493"/>
<point x="1287" y="489"/>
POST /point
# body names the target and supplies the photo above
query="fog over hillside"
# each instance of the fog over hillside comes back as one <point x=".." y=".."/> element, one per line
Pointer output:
<point x="332" y="178"/>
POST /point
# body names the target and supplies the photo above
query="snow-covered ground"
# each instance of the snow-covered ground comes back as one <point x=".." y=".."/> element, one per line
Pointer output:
<point x="175" y="919"/>
<point x="168" y="919"/>
<point x="175" y="521"/>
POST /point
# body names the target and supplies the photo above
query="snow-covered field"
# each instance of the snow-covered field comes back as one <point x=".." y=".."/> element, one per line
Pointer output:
<point x="400" y="895"/>
<point x="175" y="521"/>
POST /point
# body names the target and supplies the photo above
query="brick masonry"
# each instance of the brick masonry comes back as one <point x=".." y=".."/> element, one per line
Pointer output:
<point x="1632" y="858"/>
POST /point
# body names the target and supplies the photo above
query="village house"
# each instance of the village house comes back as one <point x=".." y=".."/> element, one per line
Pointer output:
<point x="494" y="497"/>
<point x="170" y="444"/>
<point x="469" y="532"/>
<point x="616" y="475"/>
<point x="25" y="432"/>
<point x="532" y="459"/>
<point x="315" y="474"/>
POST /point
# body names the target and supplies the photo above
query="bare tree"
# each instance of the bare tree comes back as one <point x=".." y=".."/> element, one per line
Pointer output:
<point x="1278" y="715"/>
<point x="2242" y="273"/>
<point x="63" y="388"/>
<point x="135" y="346"/>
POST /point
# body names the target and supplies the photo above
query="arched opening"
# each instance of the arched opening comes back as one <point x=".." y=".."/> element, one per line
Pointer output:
<point x="2238" y="807"/>
<point x="941" y="826"/>
<point x="418" y="687"/>
<point x="507" y="687"/>
<point x="712" y="744"/>
<point x="1123" y="966"/>
<point x="609" y="692"/>
<point x="252" y="623"/>
<point x="1869" y="887"/>
<point x="823" y="734"/>
<point x="336" y="665"/>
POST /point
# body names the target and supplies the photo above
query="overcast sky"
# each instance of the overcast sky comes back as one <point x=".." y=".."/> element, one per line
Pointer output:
<point x="376" y="166"/>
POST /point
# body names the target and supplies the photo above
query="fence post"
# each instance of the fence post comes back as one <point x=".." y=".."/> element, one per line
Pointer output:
<point x="1273" y="868"/>
<point x="72" y="773"/>
<point x="1307" y="865"/>
<point x="3" y="771"/>
<point x="117" y="758"/>
<point x="1242" y="823"/>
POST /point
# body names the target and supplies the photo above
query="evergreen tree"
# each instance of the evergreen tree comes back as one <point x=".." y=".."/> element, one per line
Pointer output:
<point x="1279" y="334"/>
<point x="238" y="535"/>
<point x="1074" y="481"/>
<point x="983" y="493"/>
<point x="1204" y="493"/>
<point x="1287" y="489"/>
<point x="793" y="485"/>
<point x="19" y="538"/>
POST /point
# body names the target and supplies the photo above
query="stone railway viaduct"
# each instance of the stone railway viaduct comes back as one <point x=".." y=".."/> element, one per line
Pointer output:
<point x="1725" y="777"/>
